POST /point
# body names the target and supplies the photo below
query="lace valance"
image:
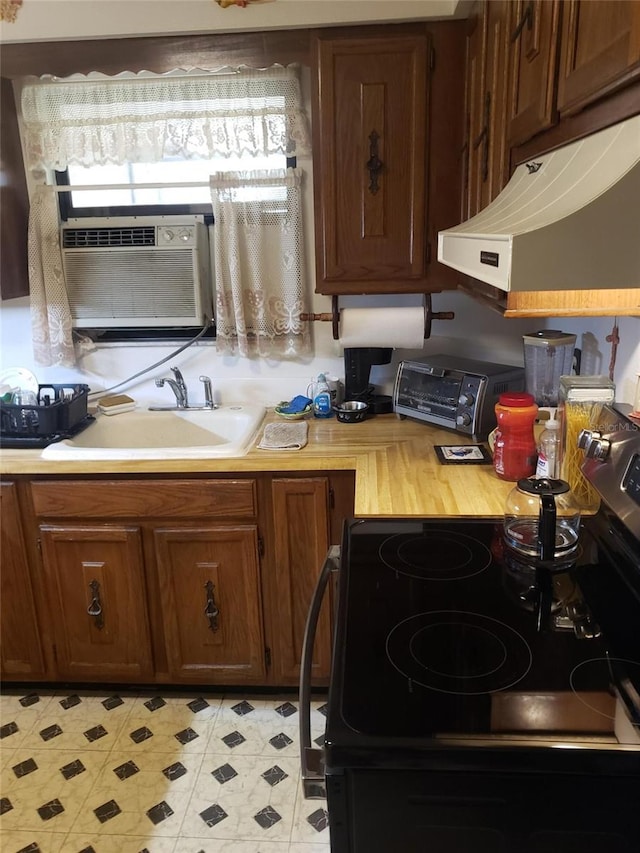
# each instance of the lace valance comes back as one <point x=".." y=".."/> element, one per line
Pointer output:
<point x="114" y="120"/>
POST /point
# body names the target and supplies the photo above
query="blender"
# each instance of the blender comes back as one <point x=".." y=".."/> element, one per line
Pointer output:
<point x="548" y="355"/>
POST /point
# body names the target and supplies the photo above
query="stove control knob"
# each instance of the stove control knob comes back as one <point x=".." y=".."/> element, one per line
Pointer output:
<point x="464" y="419"/>
<point x="466" y="399"/>
<point x="586" y="436"/>
<point x="598" y="449"/>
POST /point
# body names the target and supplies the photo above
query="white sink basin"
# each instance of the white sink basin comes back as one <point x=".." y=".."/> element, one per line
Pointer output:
<point x="190" y="434"/>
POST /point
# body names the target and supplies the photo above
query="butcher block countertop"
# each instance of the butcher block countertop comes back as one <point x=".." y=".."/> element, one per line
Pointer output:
<point x="397" y="472"/>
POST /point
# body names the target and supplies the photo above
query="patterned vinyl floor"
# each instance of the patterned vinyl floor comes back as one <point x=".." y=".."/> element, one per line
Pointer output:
<point x="155" y="773"/>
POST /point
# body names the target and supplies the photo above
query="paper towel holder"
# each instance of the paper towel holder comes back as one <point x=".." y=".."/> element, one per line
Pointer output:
<point x="333" y="317"/>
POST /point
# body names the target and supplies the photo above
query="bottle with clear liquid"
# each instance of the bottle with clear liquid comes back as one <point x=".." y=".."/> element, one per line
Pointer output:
<point x="549" y="450"/>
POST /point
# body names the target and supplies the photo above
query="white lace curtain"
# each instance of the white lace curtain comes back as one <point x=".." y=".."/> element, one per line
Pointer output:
<point x="145" y="119"/>
<point x="259" y="265"/>
<point x="101" y="120"/>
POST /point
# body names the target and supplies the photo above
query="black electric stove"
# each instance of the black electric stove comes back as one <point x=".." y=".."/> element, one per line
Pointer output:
<point x="438" y="639"/>
<point x="458" y="719"/>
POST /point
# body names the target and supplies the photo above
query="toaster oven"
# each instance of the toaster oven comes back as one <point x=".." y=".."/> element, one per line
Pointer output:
<point x="452" y="392"/>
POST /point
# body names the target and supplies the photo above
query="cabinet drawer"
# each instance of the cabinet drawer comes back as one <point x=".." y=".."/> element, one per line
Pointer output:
<point x="150" y="498"/>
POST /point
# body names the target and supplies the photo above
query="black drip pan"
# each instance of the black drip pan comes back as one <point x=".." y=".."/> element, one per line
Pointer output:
<point x="26" y="442"/>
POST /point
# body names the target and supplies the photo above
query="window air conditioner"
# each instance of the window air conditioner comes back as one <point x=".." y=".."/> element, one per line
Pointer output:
<point x="137" y="271"/>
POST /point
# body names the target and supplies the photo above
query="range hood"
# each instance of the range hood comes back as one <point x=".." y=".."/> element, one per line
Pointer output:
<point x="566" y="220"/>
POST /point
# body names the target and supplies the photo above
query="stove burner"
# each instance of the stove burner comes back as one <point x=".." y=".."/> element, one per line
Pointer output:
<point x="597" y="674"/>
<point x="451" y="651"/>
<point x="435" y="555"/>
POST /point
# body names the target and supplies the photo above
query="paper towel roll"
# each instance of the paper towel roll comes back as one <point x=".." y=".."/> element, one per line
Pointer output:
<point x="400" y="328"/>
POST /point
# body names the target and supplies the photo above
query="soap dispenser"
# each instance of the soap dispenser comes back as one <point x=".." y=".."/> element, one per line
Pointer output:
<point x="321" y="398"/>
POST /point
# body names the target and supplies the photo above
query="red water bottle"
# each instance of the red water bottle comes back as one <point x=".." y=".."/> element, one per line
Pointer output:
<point x="514" y="453"/>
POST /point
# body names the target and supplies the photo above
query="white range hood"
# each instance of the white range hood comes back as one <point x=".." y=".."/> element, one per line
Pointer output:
<point x="566" y="220"/>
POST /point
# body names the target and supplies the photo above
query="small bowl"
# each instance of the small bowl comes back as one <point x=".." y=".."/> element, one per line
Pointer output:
<point x="351" y="411"/>
<point x="293" y="416"/>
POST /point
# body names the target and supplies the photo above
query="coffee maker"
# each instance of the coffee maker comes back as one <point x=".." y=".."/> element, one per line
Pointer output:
<point x="358" y="362"/>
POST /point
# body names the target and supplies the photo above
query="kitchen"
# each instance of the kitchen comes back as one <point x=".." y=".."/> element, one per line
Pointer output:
<point x="494" y="338"/>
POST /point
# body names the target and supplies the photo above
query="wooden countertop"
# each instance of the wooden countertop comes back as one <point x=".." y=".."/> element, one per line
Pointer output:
<point x="397" y="470"/>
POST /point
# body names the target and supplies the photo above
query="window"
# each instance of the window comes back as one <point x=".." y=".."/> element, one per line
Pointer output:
<point x="147" y="145"/>
<point x="145" y="189"/>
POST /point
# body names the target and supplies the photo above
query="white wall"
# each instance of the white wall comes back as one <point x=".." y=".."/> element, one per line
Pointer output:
<point x="53" y="20"/>
<point x="476" y="331"/>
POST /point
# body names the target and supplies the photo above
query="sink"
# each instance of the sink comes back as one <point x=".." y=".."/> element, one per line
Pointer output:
<point x="181" y="434"/>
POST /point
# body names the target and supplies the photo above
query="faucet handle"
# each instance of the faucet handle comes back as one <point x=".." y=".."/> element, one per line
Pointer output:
<point x="208" y="392"/>
<point x="178" y="375"/>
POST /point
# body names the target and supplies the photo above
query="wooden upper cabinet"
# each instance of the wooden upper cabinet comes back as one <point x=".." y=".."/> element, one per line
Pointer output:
<point x="476" y="57"/>
<point x="600" y="51"/>
<point x="534" y="35"/>
<point x="486" y="99"/>
<point x="369" y="163"/>
<point x="14" y="201"/>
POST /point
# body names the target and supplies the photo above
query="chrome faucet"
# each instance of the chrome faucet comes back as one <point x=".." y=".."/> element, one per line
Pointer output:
<point x="178" y="387"/>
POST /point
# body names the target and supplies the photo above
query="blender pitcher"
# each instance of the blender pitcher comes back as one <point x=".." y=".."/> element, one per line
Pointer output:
<point x="548" y="355"/>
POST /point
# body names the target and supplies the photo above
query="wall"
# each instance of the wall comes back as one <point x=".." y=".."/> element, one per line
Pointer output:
<point x="476" y="331"/>
<point x="53" y="20"/>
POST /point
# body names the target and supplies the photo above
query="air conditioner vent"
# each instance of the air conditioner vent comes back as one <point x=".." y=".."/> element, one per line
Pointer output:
<point x="127" y="273"/>
<point x="137" y="235"/>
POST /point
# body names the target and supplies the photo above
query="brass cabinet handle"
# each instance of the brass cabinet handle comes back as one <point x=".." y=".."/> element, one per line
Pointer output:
<point x="525" y="20"/>
<point x="211" y="610"/>
<point x="95" y="606"/>
<point x="374" y="164"/>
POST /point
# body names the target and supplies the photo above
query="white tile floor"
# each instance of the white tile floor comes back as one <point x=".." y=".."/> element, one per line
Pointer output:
<point x="155" y="773"/>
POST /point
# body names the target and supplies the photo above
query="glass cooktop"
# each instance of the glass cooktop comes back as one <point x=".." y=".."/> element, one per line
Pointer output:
<point x="438" y="637"/>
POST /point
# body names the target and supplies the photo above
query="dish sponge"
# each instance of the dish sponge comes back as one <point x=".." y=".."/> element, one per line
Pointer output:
<point x="115" y="404"/>
<point x="298" y="404"/>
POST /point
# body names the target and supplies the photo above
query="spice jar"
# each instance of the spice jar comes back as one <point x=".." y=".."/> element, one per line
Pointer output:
<point x="581" y="399"/>
<point x="514" y="453"/>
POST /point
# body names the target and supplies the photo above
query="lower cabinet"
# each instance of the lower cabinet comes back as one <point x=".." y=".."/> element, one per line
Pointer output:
<point x="183" y="581"/>
<point x="211" y="603"/>
<point x="301" y="525"/>
<point x="20" y="649"/>
<point x="98" y="604"/>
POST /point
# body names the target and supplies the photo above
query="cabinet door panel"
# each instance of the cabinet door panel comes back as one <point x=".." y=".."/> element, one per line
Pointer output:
<point x="533" y="68"/>
<point x="99" y="614"/>
<point x="21" y="649"/>
<point x="370" y="178"/>
<point x="301" y="543"/>
<point x="203" y="571"/>
<point x="600" y="50"/>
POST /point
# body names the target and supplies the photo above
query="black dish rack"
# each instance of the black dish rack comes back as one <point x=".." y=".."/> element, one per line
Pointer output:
<point x="61" y="412"/>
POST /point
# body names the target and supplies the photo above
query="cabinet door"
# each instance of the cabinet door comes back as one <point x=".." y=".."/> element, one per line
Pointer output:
<point x="369" y="164"/>
<point x="300" y="510"/>
<point x="600" y="50"/>
<point x="487" y="88"/>
<point x="475" y="142"/>
<point x="14" y="201"/>
<point x="21" y="652"/>
<point x="99" y="613"/>
<point x="211" y="603"/>
<point x="534" y="50"/>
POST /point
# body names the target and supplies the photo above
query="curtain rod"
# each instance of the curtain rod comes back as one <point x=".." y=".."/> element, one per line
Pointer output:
<point x="67" y="188"/>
